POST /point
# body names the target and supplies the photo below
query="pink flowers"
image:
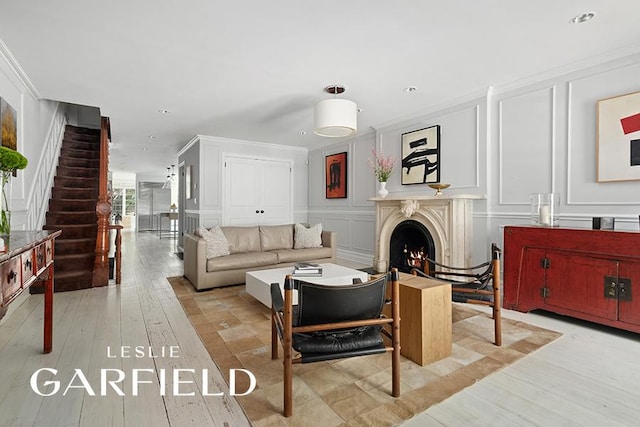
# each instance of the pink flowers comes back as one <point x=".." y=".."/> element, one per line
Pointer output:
<point x="382" y="165"/>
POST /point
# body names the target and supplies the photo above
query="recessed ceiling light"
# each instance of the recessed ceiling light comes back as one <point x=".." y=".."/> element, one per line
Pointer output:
<point x="163" y="111"/>
<point x="359" y="110"/>
<point x="303" y="133"/>
<point x="151" y="137"/>
<point x="410" y="89"/>
<point x="583" y="17"/>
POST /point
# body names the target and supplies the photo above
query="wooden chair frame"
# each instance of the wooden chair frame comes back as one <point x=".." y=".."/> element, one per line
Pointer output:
<point x="282" y="327"/>
<point x="472" y="281"/>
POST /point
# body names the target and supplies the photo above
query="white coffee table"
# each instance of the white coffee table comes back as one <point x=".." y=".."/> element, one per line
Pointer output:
<point x="258" y="283"/>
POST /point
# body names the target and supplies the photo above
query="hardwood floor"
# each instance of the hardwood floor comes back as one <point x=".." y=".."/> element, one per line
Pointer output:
<point x="92" y="328"/>
<point x="588" y="377"/>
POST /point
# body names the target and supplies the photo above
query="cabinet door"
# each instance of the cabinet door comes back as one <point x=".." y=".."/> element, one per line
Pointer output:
<point x="629" y="306"/>
<point x="276" y="192"/>
<point x="577" y="283"/>
<point x="524" y="279"/>
<point x="257" y="192"/>
<point x="242" y="192"/>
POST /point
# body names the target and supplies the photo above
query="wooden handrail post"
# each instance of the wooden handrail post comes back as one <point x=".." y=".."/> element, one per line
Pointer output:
<point x="103" y="210"/>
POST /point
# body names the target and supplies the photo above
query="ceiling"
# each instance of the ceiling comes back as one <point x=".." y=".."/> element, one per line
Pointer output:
<point x="252" y="70"/>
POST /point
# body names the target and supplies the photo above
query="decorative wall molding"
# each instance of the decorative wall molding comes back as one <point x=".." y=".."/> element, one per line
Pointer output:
<point x="501" y="103"/>
<point x="358" y="257"/>
<point x="589" y="192"/>
<point x="18" y="71"/>
<point x="40" y="192"/>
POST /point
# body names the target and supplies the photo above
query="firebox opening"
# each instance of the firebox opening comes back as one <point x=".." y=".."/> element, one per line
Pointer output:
<point x="411" y="244"/>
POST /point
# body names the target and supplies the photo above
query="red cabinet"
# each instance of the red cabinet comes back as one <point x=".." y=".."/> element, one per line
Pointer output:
<point x="587" y="274"/>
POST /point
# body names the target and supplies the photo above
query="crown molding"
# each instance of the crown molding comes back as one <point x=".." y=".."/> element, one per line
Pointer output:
<point x="5" y="53"/>
<point x="221" y="140"/>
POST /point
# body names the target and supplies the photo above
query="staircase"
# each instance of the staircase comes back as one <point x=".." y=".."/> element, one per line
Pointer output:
<point x="72" y="208"/>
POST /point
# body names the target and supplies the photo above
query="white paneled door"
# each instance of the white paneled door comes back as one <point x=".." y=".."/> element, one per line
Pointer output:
<point x="257" y="191"/>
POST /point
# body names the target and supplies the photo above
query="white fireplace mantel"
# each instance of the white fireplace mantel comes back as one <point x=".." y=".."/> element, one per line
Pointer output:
<point x="448" y="218"/>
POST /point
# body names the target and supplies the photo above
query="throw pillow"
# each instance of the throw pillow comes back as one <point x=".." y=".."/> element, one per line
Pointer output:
<point x="307" y="237"/>
<point x="217" y="244"/>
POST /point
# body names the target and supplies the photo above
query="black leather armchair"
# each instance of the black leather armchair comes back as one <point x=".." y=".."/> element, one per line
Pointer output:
<point x="333" y="322"/>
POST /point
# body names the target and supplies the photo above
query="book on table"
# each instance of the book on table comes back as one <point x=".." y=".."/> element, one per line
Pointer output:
<point x="307" y="269"/>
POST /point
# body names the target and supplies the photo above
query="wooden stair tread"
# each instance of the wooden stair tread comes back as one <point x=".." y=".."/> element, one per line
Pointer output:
<point x="71" y="257"/>
<point x="71" y="274"/>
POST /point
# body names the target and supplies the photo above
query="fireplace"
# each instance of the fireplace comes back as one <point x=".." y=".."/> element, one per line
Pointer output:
<point x="410" y="246"/>
<point x="446" y="222"/>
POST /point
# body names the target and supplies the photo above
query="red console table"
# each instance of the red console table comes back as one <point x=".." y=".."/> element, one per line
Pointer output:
<point x="27" y="257"/>
<point x="588" y="274"/>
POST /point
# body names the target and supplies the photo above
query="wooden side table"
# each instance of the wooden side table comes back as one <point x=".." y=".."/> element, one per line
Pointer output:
<point x="425" y="319"/>
<point x="26" y="257"/>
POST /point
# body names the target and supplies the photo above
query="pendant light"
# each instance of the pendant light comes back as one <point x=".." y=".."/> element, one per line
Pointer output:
<point x="335" y="117"/>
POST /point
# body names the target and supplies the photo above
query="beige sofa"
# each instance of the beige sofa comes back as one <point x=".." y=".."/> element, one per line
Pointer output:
<point x="251" y="248"/>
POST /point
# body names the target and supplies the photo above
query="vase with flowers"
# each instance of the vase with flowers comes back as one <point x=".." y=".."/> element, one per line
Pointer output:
<point x="382" y="166"/>
<point x="10" y="162"/>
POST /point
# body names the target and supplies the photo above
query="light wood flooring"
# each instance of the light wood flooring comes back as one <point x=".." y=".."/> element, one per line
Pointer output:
<point x="588" y="377"/>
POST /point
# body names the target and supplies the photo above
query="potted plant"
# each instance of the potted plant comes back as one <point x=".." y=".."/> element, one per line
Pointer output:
<point x="10" y="162"/>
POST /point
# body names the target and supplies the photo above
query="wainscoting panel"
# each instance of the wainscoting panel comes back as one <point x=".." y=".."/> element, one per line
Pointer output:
<point x="341" y="226"/>
<point x="523" y="172"/>
<point x="355" y="231"/>
<point x="195" y="219"/>
<point x="363" y="234"/>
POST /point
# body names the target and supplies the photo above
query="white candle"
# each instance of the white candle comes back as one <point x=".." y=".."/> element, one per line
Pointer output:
<point x="545" y="215"/>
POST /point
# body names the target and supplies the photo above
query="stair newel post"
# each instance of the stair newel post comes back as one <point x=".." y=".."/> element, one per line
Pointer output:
<point x="103" y="211"/>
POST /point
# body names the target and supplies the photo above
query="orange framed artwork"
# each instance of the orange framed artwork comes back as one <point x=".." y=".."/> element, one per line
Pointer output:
<point x="336" y="176"/>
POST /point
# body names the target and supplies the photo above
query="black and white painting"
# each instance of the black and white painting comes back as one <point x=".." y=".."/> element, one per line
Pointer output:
<point x="421" y="156"/>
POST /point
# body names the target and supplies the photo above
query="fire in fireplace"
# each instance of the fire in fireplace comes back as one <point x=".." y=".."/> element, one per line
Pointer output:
<point x="411" y="244"/>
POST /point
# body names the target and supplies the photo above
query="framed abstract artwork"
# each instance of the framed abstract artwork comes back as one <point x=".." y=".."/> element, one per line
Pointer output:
<point x="9" y="124"/>
<point x="336" y="176"/>
<point x="421" y="156"/>
<point x="618" y="138"/>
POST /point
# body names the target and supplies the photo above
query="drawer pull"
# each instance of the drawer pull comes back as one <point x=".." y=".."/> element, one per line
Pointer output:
<point x="11" y="277"/>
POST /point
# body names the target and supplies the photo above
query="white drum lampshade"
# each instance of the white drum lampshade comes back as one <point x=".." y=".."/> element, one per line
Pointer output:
<point x="335" y="117"/>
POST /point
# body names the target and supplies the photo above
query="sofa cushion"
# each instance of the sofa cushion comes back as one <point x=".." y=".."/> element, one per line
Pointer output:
<point x="307" y="237"/>
<point x="294" y="255"/>
<point x="216" y="242"/>
<point x="241" y="260"/>
<point x="276" y="237"/>
<point x="242" y="239"/>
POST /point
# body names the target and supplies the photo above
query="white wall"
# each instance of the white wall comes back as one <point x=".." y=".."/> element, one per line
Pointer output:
<point x="538" y="136"/>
